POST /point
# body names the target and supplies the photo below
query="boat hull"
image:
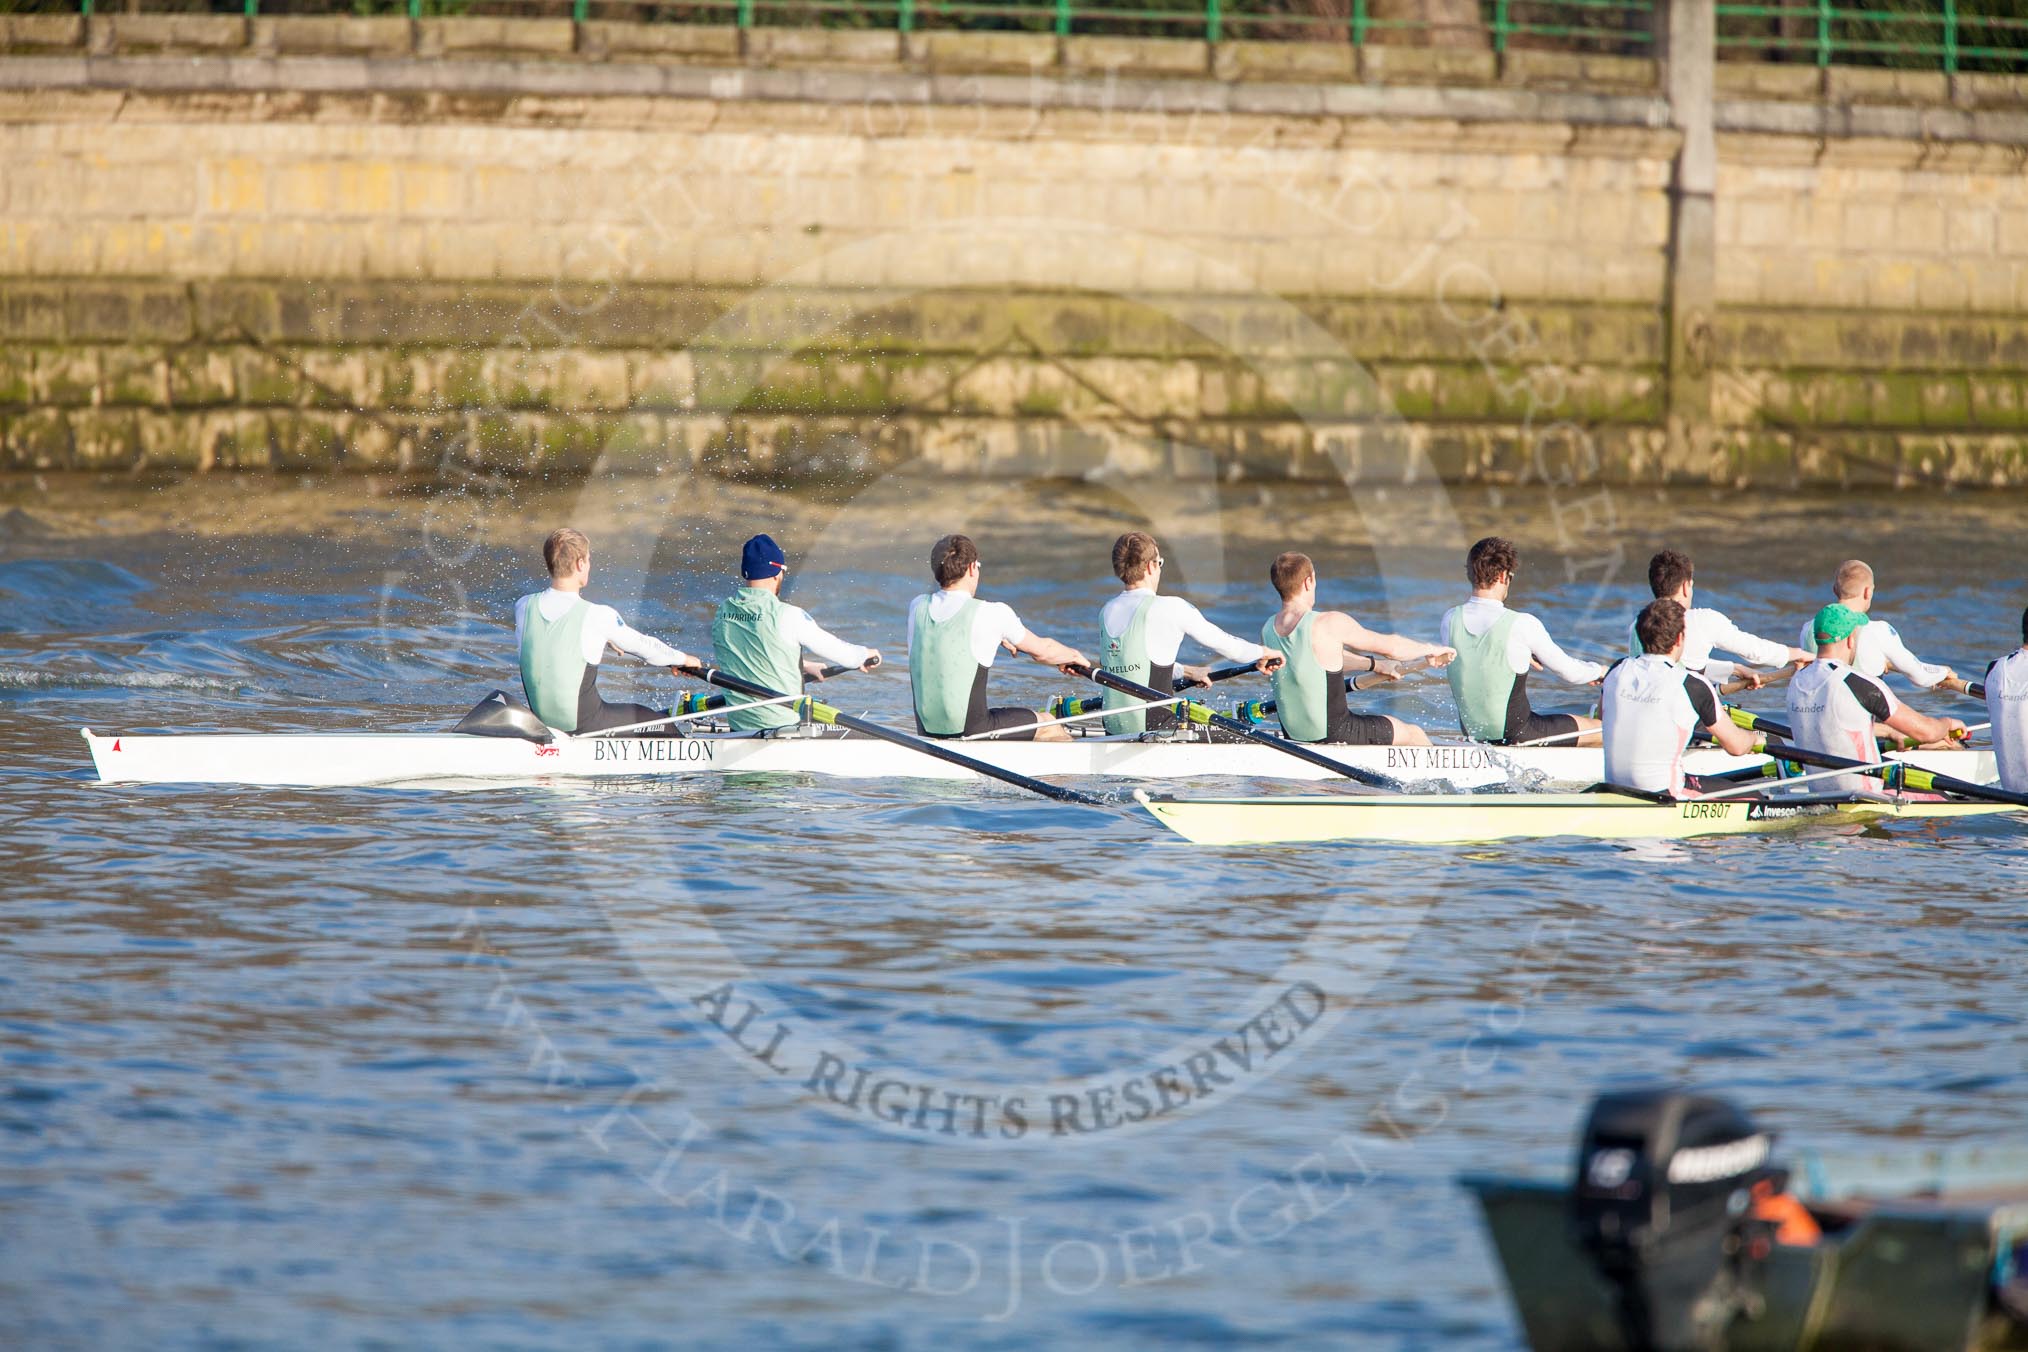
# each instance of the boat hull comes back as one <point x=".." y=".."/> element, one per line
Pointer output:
<point x="333" y="759"/>
<point x="1469" y="819"/>
<point x="1910" y="1274"/>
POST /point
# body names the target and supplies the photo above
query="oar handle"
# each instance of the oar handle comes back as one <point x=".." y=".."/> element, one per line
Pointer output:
<point x="1368" y="680"/>
<point x="1264" y="707"/>
<point x="828" y="672"/>
<point x="824" y="713"/>
<point x="1780" y="677"/>
<point x="1221" y="674"/>
<point x="1969" y="689"/>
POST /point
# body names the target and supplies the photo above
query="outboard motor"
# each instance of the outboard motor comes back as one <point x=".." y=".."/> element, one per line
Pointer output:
<point x="498" y="716"/>
<point x="1662" y="1204"/>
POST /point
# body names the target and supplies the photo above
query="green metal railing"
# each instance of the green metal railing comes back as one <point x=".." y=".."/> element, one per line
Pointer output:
<point x="1937" y="35"/>
<point x="1945" y="35"/>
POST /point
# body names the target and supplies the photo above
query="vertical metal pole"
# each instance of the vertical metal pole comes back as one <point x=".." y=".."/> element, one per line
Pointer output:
<point x="745" y="16"/>
<point x="1690" y="55"/>
<point x="904" y="16"/>
<point x="1823" y="32"/>
<point x="253" y="8"/>
<point x="1950" y="22"/>
<point x="1213" y="20"/>
<point x="1358" y="23"/>
<point x="1500" y="25"/>
<point x="415" y="9"/>
<point x="1063" y="18"/>
<point x="579" y="11"/>
<point x="84" y="7"/>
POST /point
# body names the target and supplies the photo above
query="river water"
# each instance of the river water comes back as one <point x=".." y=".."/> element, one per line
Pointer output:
<point x="785" y="1062"/>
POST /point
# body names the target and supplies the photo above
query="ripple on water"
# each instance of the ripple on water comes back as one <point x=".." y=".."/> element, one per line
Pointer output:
<point x="383" y="1066"/>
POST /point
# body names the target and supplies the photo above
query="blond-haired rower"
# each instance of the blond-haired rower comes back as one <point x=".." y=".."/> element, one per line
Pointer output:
<point x="562" y="638"/>
<point x="1879" y="648"/>
<point x="1141" y="635"/>
<point x="1313" y="645"/>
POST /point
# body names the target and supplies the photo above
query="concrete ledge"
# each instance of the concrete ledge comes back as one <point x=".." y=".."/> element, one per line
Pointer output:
<point x="1137" y="56"/>
<point x="108" y="34"/>
<point x="968" y="53"/>
<point x="777" y="447"/>
<point x="1293" y="62"/>
<point x="487" y="37"/>
<point x="1857" y="84"/>
<point x="1976" y="90"/>
<point x="1564" y="70"/>
<point x="1427" y="66"/>
<point x="822" y="47"/>
<point x="333" y="35"/>
<point x="600" y="40"/>
<point x="41" y="32"/>
<point x="1766" y="80"/>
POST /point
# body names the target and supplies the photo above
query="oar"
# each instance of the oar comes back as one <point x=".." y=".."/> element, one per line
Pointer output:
<point x="1198" y="713"/>
<point x="1969" y="689"/>
<point x="1069" y="708"/>
<point x="1370" y="679"/>
<point x="1262" y="708"/>
<point x="704" y="704"/>
<point x="1753" y="722"/>
<point x="1767" y="727"/>
<point x="824" y="713"/>
<point x="1779" y="678"/>
<point x="1222" y="674"/>
<point x="1898" y="774"/>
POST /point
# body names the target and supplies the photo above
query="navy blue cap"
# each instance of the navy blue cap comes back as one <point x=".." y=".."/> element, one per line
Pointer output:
<point x="761" y="557"/>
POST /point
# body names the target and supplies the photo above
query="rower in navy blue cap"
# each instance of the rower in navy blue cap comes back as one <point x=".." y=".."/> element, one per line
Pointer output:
<point x="760" y="638"/>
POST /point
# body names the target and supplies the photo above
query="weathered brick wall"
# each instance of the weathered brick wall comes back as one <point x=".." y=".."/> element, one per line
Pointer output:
<point x="368" y="259"/>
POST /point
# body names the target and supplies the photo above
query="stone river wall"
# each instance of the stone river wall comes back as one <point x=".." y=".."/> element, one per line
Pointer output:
<point x="314" y="244"/>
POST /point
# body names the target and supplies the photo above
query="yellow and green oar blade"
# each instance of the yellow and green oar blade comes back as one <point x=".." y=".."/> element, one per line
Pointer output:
<point x="1899" y="774"/>
<point x="1200" y="714"/>
<point x="1753" y="722"/>
<point x="824" y="713"/>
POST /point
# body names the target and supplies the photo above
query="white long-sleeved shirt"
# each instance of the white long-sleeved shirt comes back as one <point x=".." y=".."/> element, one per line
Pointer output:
<point x="1880" y="650"/>
<point x="602" y="626"/>
<point x="1171" y="620"/>
<point x="993" y="623"/>
<point x="797" y="624"/>
<point x="1527" y="641"/>
<point x="2007" y="706"/>
<point x="1706" y="630"/>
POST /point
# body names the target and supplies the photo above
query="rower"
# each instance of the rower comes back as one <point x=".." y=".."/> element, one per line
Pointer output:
<point x="760" y="638"/>
<point x="1312" y="643"/>
<point x="1142" y="632"/>
<point x="1496" y="648"/>
<point x="953" y="637"/>
<point x="1652" y="704"/>
<point x="1672" y="578"/>
<point x="1833" y="705"/>
<point x="1880" y="647"/>
<point x="562" y="637"/>
<point x="2007" y="706"/>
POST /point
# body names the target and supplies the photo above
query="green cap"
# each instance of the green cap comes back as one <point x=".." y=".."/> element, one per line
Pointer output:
<point x="1836" y="621"/>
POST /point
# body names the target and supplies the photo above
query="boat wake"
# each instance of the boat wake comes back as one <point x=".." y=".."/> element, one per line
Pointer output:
<point x="33" y="679"/>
